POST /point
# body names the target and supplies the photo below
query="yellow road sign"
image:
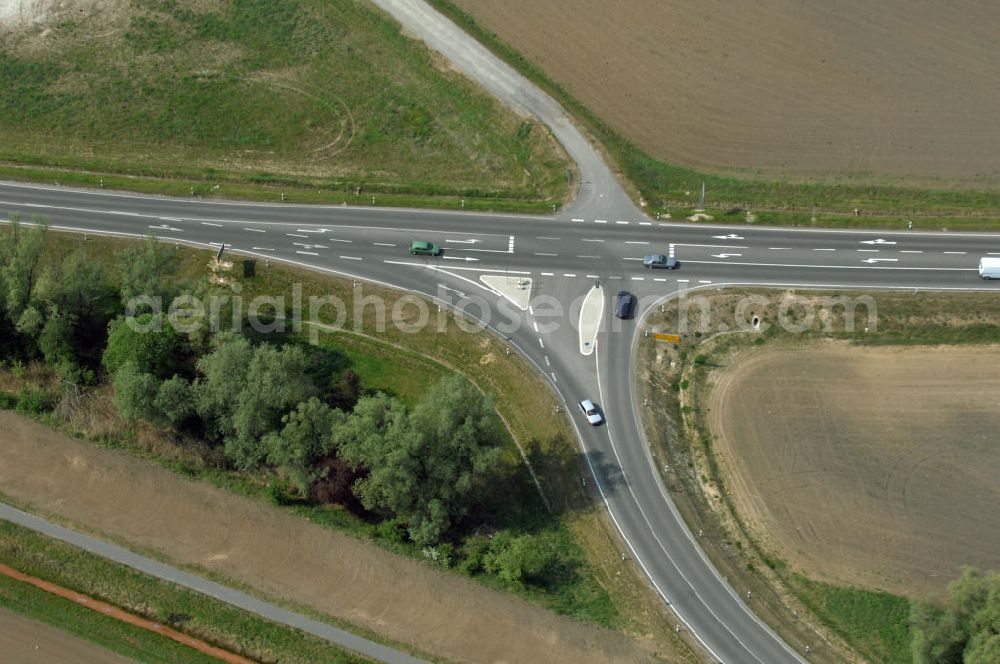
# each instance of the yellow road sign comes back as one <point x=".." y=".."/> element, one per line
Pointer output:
<point x="669" y="338"/>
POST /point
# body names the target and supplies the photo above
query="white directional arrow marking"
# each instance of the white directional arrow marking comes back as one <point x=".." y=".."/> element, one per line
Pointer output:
<point x="309" y="246"/>
<point x="456" y="258"/>
<point x="453" y="290"/>
<point x="725" y="255"/>
<point x="464" y="241"/>
<point x="731" y="236"/>
<point x="880" y="260"/>
<point x="878" y="241"/>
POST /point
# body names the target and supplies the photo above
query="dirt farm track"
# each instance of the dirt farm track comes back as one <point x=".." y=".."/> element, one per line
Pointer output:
<point x="902" y="89"/>
<point x="868" y="466"/>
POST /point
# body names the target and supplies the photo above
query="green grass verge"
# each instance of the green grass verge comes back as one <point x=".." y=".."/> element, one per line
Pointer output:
<point x="222" y="187"/>
<point x="674" y="188"/>
<point x="186" y="611"/>
<point x="249" y="98"/>
<point x="876" y="623"/>
<point x="382" y="368"/>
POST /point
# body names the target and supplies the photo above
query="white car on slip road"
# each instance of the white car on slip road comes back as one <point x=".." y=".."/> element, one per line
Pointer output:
<point x="590" y="410"/>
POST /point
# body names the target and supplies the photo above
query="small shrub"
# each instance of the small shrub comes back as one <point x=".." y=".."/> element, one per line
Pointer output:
<point x="34" y="401"/>
<point x="392" y="530"/>
<point x="278" y="492"/>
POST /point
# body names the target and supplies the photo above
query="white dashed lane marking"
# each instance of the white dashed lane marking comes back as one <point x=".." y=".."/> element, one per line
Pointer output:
<point x="294" y="235"/>
<point x="306" y="253"/>
<point x="255" y="230"/>
<point x="208" y="223"/>
<point x="383" y="244"/>
<point x="351" y="258"/>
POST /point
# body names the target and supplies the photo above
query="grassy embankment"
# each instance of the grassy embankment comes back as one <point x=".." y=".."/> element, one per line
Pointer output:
<point x="314" y="101"/>
<point x="872" y="624"/>
<point x="184" y="610"/>
<point x="595" y="585"/>
<point x="675" y="189"/>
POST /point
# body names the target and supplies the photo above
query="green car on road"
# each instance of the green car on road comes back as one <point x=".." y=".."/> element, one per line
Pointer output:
<point x="418" y="248"/>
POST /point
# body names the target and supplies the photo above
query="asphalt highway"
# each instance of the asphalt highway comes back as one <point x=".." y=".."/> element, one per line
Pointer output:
<point x="564" y="257"/>
<point x="600" y="240"/>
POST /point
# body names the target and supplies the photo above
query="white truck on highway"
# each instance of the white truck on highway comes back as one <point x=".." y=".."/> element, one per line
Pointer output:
<point x="989" y="268"/>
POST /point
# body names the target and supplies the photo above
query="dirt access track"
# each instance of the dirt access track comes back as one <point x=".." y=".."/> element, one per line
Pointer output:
<point x="195" y="524"/>
<point x="896" y="88"/>
<point x="866" y="466"/>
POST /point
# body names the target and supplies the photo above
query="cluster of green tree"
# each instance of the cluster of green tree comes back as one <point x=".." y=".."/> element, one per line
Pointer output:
<point x="966" y="630"/>
<point x="54" y="313"/>
<point x="266" y="406"/>
<point x="422" y="472"/>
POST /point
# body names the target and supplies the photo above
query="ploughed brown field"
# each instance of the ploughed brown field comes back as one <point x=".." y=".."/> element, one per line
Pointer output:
<point x="868" y="466"/>
<point x="903" y="89"/>
<point x="29" y="642"/>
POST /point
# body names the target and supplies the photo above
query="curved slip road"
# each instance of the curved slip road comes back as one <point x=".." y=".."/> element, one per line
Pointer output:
<point x="601" y="239"/>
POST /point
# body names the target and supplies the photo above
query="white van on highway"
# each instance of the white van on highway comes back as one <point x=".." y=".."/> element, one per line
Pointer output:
<point x="989" y="267"/>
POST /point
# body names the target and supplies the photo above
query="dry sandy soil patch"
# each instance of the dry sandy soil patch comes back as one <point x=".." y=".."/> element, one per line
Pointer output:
<point x="867" y="466"/>
<point x="28" y="642"/>
<point x="896" y="88"/>
<point x="286" y="557"/>
<point x="18" y="13"/>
